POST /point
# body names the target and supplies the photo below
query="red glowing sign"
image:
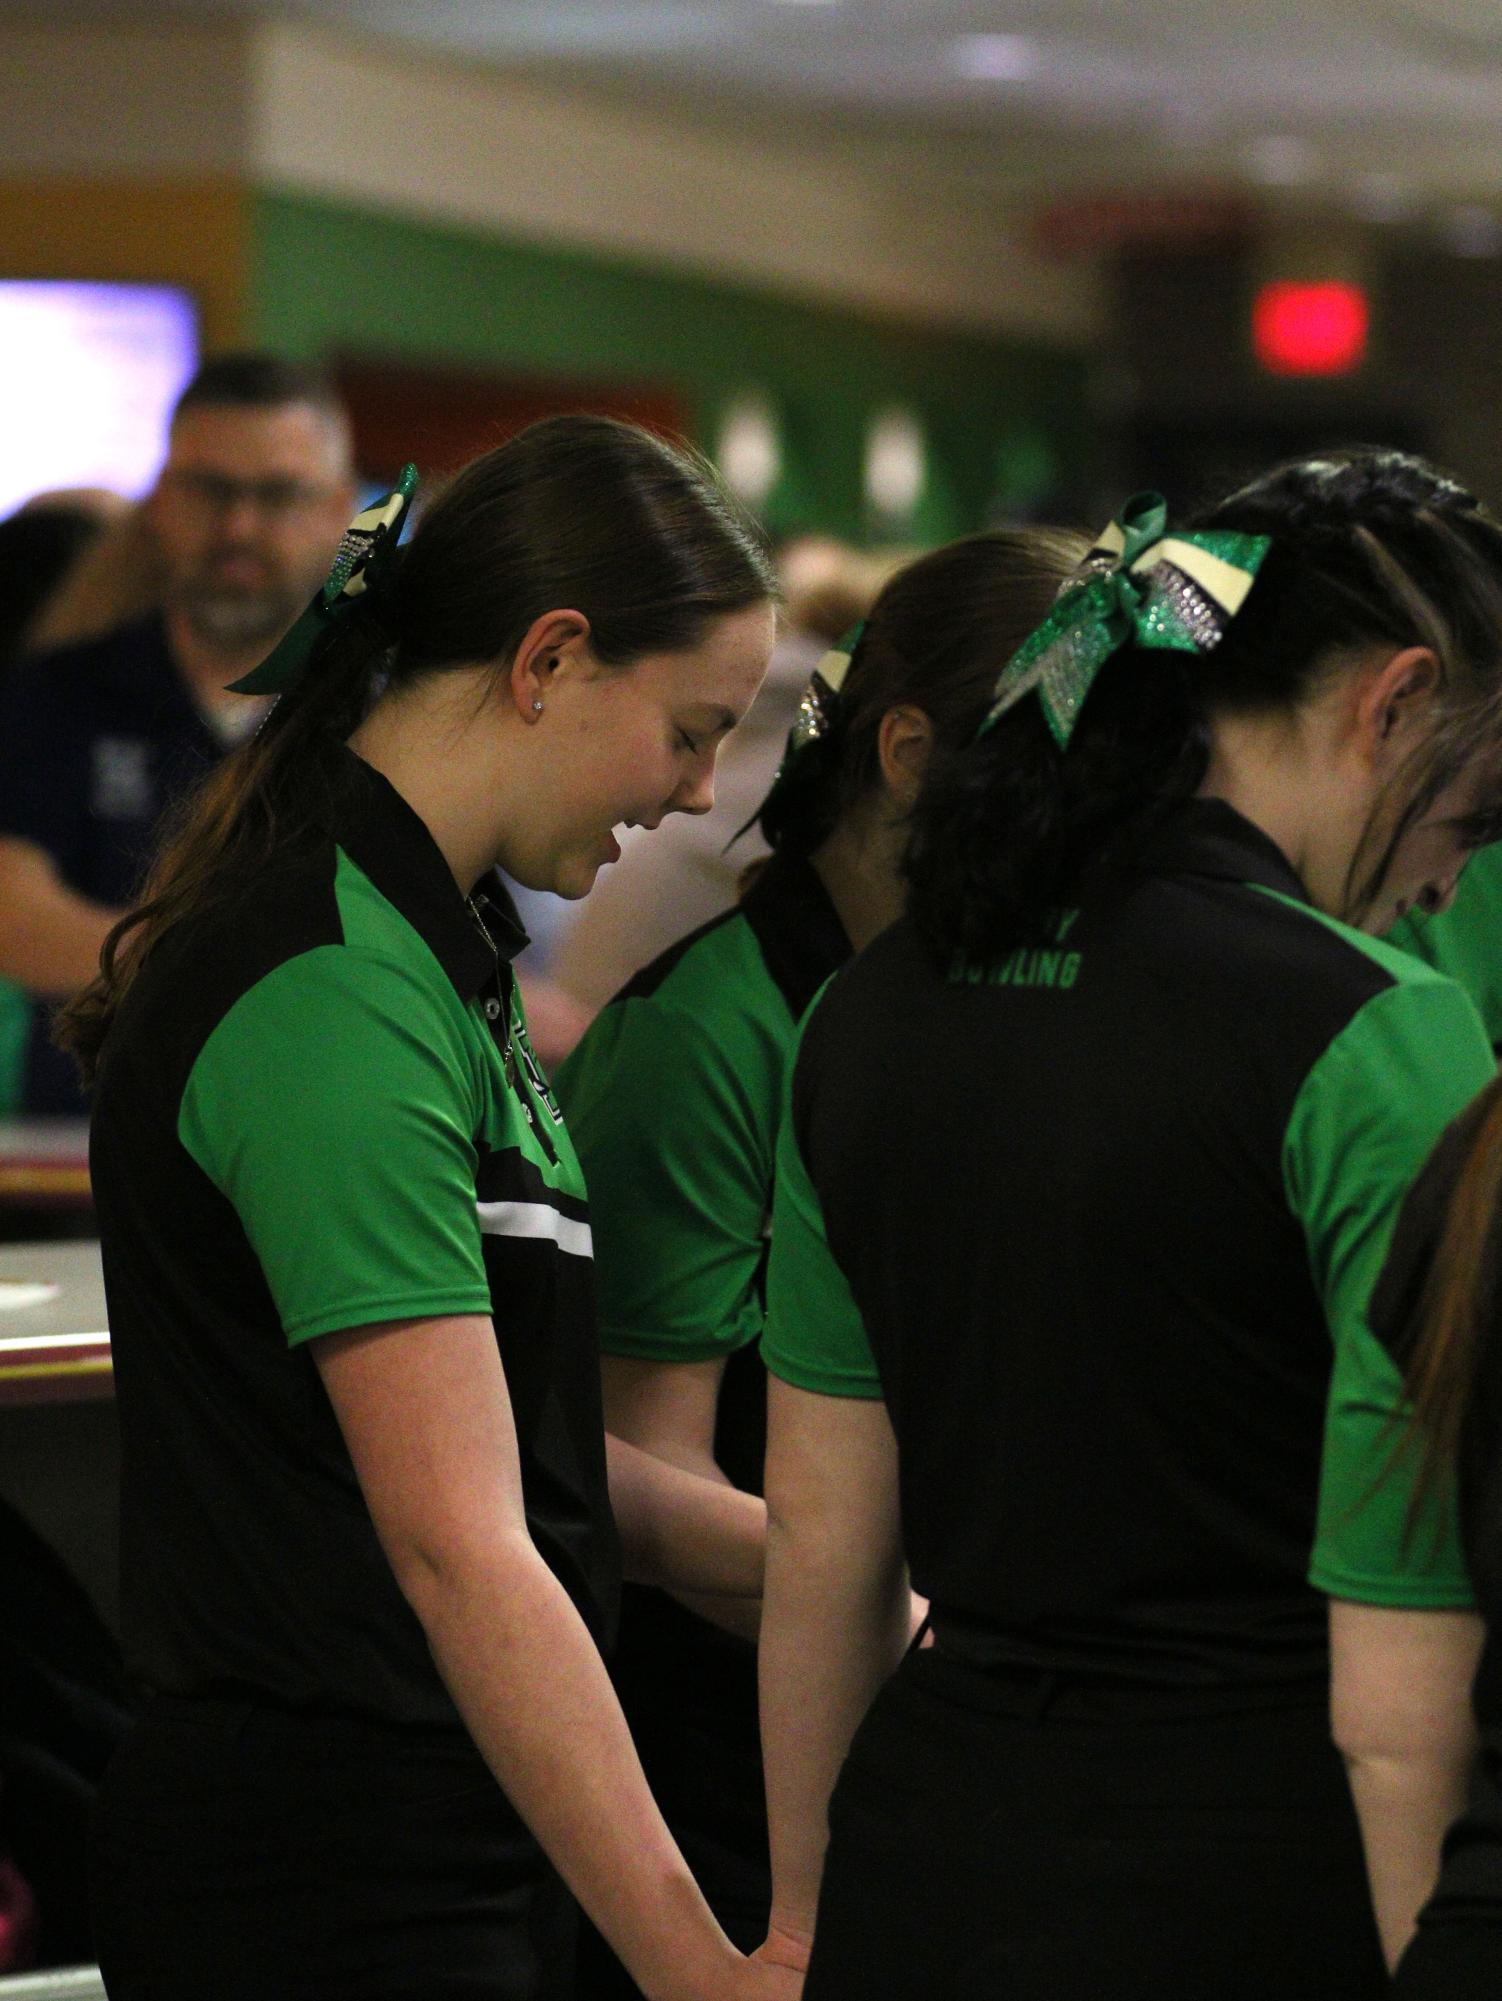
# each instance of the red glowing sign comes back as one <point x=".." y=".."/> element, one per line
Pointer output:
<point x="1310" y="329"/>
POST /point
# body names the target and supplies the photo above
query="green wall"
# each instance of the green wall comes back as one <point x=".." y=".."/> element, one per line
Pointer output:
<point x="1005" y="419"/>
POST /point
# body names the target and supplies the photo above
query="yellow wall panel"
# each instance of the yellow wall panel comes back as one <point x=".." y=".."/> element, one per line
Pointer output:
<point x="193" y="233"/>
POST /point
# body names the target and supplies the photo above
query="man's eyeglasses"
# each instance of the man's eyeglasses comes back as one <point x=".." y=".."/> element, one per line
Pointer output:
<point x="273" y="499"/>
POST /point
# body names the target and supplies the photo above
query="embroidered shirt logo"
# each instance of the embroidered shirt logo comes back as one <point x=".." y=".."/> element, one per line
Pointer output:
<point x="542" y="1090"/>
<point x="1028" y="965"/>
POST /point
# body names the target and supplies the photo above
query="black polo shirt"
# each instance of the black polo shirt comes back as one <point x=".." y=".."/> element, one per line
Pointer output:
<point x="1101" y="1223"/>
<point x="318" y="1109"/>
<point x="95" y="742"/>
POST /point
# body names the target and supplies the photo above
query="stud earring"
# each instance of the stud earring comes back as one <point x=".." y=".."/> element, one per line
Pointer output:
<point x="536" y="706"/>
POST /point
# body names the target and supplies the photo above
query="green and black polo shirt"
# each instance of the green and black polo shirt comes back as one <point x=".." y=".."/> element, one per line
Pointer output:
<point x="1101" y="1224"/>
<point x="674" y="1098"/>
<point x="1465" y="941"/>
<point x="317" y="1110"/>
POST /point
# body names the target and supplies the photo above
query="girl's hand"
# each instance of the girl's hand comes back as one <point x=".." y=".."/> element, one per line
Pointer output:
<point x="760" y="1978"/>
<point x="774" y="1972"/>
<point x="777" y="1966"/>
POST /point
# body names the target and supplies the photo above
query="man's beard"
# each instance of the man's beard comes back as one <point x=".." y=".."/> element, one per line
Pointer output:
<point x="233" y="621"/>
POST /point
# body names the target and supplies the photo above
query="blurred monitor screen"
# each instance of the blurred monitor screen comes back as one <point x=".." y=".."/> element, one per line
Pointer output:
<point x="88" y="377"/>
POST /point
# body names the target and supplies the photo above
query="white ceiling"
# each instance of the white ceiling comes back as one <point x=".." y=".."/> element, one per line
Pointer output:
<point x="1391" y="106"/>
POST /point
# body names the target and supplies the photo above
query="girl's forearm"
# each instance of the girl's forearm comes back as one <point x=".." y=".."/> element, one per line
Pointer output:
<point x="689" y="1533"/>
<point x="534" y="1693"/>
<point x="1405" y="1806"/>
<point x="1400" y="1711"/>
<point x="830" y="1637"/>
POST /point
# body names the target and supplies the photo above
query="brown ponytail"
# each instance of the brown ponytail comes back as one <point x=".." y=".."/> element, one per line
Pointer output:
<point x="1457" y="1302"/>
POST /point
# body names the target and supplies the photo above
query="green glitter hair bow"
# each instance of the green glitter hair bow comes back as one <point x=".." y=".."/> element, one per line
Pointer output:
<point x="361" y="568"/>
<point x="817" y="707"/>
<point x="1138" y="586"/>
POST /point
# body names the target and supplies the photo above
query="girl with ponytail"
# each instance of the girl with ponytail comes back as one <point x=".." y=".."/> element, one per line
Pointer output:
<point x="1088" y="1172"/>
<point x="368" y="1560"/>
<point x="674" y="1100"/>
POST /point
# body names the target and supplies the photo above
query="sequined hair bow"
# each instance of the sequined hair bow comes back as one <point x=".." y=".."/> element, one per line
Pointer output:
<point x="362" y="568"/>
<point x="817" y="708"/>
<point x="1138" y="586"/>
<point x="820" y="699"/>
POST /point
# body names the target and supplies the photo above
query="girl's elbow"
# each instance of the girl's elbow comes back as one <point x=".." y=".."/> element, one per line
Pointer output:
<point x="439" y="1565"/>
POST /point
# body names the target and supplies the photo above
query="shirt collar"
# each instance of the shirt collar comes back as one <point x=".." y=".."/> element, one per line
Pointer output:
<point x="796" y="927"/>
<point x="1208" y="837"/>
<point x="384" y="837"/>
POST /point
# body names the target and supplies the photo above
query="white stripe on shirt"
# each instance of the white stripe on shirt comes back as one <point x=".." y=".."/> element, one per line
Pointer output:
<point x="536" y="1219"/>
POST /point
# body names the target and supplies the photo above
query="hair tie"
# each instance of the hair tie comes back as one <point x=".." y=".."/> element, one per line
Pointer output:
<point x="362" y="570"/>
<point x="1137" y="586"/>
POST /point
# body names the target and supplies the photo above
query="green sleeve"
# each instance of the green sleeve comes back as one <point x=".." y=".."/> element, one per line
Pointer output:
<point x="815" y="1338"/>
<point x="1364" y="1122"/>
<point x="334" y="1108"/>
<point x="674" y="1119"/>
<point x="1465" y="941"/>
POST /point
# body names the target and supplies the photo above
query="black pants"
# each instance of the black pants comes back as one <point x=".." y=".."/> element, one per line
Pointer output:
<point x="996" y="1838"/>
<point x="1461" y="1962"/>
<point x="1457" y="1954"/>
<point x="244" y="1854"/>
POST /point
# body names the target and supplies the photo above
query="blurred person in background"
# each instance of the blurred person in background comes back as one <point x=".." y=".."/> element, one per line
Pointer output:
<point x="674" y="1098"/>
<point x="64" y="1701"/>
<point x="116" y="581"/>
<point x="98" y="738"/>
<point x="41" y="544"/>
<point x="828" y="586"/>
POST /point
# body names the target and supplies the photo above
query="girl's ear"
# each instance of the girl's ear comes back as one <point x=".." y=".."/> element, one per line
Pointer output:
<point x="556" y="640"/>
<point x="904" y="744"/>
<point x="1397" y="695"/>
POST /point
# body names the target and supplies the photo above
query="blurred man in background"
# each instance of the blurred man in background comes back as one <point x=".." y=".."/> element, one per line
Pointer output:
<point x="97" y="739"/>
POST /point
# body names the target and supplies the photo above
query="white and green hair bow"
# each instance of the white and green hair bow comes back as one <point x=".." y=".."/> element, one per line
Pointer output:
<point x="362" y="567"/>
<point x="815" y="717"/>
<point x="1138" y="586"/>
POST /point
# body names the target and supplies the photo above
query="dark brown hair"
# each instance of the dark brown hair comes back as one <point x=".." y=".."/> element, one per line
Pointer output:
<point x="1369" y="548"/>
<point x="937" y="636"/>
<point x="253" y="381"/>
<point x="1455" y="1307"/>
<point x="577" y="512"/>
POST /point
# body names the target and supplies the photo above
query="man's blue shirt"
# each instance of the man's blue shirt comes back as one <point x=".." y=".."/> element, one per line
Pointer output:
<point x="95" y="742"/>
